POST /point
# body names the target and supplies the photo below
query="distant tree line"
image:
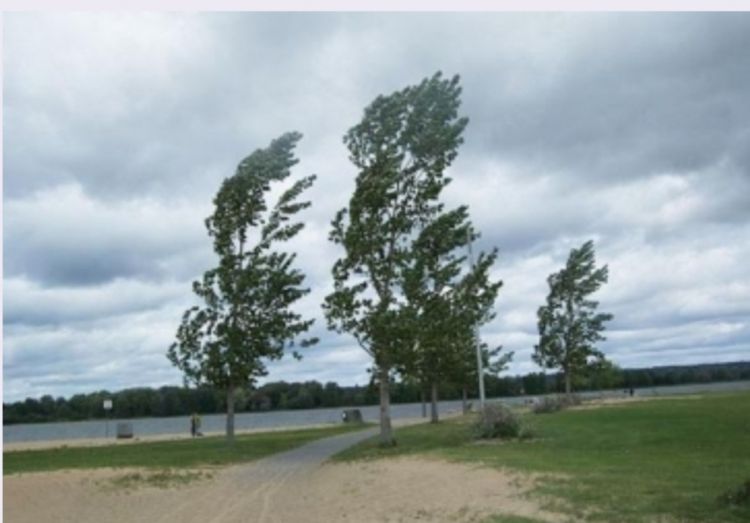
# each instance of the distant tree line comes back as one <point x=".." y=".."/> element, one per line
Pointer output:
<point x="610" y="376"/>
<point x="180" y="401"/>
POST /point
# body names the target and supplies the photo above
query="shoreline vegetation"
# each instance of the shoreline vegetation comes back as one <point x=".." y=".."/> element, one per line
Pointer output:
<point x="278" y="396"/>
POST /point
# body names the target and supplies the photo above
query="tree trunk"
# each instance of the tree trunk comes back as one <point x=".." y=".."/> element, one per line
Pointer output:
<point x="567" y="383"/>
<point x="434" y="402"/>
<point x="230" y="415"/>
<point x="424" y="402"/>
<point x="386" y="433"/>
<point x="464" y="403"/>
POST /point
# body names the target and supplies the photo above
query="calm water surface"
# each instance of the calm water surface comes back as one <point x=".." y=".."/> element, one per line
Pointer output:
<point x="289" y="418"/>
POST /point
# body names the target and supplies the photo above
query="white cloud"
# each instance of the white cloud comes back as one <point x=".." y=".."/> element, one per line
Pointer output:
<point x="631" y="130"/>
<point x="62" y="234"/>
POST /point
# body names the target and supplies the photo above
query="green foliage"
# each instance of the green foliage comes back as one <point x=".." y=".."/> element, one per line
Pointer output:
<point x="445" y="304"/>
<point x="497" y="421"/>
<point x="569" y="325"/>
<point x="179" y="454"/>
<point x="601" y="374"/>
<point x="401" y="147"/>
<point x="246" y="318"/>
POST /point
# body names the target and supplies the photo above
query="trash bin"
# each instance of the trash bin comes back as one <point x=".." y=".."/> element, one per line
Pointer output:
<point x="124" y="430"/>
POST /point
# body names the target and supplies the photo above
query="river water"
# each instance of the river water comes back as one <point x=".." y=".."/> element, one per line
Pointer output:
<point x="291" y="418"/>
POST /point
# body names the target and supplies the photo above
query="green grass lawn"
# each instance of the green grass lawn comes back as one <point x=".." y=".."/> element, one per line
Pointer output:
<point x="665" y="460"/>
<point x="207" y="451"/>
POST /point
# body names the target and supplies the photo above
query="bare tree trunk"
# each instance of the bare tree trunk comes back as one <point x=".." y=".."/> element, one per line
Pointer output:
<point x="567" y="383"/>
<point x="433" y="402"/>
<point x="386" y="433"/>
<point x="424" y="402"/>
<point x="230" y="414"/>
<point x="464" y="403"/>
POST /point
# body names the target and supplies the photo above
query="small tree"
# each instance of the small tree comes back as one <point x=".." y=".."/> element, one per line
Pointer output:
<point x="446" y="305"/>
<point x="401" y="148"/>
<point x="464" y="373"/>
<point x="569" y="325"/>
<point x="246" y="318"/>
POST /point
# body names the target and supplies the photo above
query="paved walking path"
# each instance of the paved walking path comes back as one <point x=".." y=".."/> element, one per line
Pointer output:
<point x="250" y="491"/>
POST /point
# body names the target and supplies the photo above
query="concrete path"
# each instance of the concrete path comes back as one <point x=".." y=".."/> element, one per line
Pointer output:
<point x="249" y="492"/>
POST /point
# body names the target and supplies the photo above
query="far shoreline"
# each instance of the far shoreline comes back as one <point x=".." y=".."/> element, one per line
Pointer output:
<point x="446" y="407"/>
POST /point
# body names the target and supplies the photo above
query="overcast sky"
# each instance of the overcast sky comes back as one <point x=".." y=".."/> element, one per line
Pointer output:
<point x="632" y="130"/>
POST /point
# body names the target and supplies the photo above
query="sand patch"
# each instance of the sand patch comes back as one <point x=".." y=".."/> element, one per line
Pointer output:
<point x="89" y="495"/>
<point x="414" y="489"/>
<point x="395" y="490"/>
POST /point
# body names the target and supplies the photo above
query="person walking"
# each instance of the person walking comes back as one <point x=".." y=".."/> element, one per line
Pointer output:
<point x="193" y="424"/>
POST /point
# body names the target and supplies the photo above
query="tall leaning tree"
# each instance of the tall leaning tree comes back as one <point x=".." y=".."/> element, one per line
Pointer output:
<point x="569" y="324"/>
<point x="401" y="149"/>
<point x="246" y="317"/>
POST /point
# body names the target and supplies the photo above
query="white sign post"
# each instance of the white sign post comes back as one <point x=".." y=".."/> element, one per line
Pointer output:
<point x="107" y="407"/>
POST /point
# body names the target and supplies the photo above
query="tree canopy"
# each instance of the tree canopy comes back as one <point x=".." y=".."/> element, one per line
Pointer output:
<point x="246" y="317"/>
<point x="446" y="303"/>
<point x="401" y="148"/>
<point x="569" y="324"/>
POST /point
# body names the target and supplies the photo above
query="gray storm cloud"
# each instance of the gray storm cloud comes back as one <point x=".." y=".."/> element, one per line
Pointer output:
<point x="632" y="129"/>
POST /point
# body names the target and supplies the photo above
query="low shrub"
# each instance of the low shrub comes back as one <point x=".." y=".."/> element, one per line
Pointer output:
<point x="546" y="405"/>
<point x="569" y="400"/>
<point x="549" y="404"/>
<point x="497" y="421"/>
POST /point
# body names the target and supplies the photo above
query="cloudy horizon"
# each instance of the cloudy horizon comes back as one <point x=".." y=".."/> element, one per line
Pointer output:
<point x="629" y="129"/>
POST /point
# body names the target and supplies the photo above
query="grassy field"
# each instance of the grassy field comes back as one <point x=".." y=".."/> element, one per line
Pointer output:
<point x="667" y="460"/>
<point x="165" y="454"/>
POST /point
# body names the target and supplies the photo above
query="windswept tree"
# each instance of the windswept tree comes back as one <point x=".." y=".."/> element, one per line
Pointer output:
<point x="446" y="304"/>
<point x="401" y="148"/>
<point x="246" y="318"/>
<point x="569" y="324"/>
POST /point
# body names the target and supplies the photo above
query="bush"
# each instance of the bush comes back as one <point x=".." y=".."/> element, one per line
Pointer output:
<point x="569" y="400"/>
<point x="546" y="405"/>
<point x="497" y="421"/>
<point x="549" y="404"/>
